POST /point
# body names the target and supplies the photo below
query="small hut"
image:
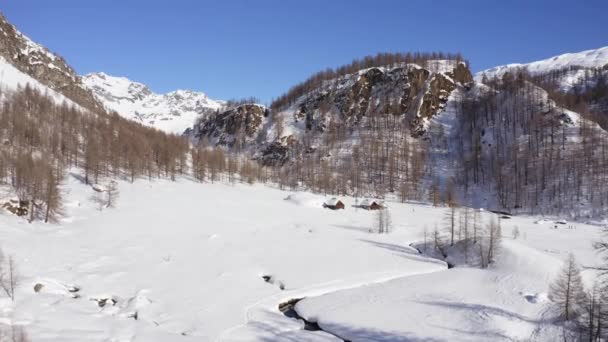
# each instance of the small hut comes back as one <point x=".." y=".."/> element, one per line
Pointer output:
<point x="371" y="204"/>
<point x="333" y="204"/>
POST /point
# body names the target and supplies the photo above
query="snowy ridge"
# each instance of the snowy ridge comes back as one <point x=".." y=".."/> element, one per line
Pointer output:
<point x="37" y="54"/>
<point x="587" y="59"/>
<point x="47" y="68"/>
<point x="173" y="112"/>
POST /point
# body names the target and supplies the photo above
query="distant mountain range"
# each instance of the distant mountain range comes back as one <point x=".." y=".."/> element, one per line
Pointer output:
<point x="173" y="112"/>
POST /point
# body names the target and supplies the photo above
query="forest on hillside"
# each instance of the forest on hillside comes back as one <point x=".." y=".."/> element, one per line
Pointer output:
<point x="514" y="138"/>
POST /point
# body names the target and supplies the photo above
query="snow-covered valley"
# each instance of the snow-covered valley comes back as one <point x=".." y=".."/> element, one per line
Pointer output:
<point x="186" y="261"/>
<point x="128" y="215"/>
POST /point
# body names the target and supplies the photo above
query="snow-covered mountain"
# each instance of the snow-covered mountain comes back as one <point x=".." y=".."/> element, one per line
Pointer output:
<point x="172" y="112"/>
<point x="413" y="92"/>
<point x="25" y="61"/>
<point x="575" y="66"/>
<point x="587" y="59"/>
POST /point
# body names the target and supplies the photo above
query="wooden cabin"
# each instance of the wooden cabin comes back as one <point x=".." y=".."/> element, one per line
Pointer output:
<point x="333" y="204"/>
<point x="371" y="204"/>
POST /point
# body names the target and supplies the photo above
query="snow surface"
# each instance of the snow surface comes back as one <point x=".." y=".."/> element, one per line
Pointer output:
<point x="173" y="112"/>
<point x="12" y="79"/>
<point x="588" y="59"/>
<point x="190" y="258"/>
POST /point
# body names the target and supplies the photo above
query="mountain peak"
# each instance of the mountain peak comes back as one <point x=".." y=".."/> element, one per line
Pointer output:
<point x="172" y="112"/>
<point x="36" y="61"/>
<point x="596" y="58"/>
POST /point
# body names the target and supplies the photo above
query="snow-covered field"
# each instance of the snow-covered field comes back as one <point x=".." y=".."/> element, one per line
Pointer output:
<point x="186" y="261"/>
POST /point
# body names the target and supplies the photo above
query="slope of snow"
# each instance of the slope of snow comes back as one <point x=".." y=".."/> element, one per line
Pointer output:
<point x="173" y="112"/>
<point x="587" y="59"/>
<point x="11" y="79"/>
<point x="508" y="302"/>
<point x="188" y="261"/>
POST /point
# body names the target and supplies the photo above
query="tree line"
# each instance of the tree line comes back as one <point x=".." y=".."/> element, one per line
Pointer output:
<point x="41" y="141"/>
<point x="380" y="59"/>
<point x="518" y="143"/>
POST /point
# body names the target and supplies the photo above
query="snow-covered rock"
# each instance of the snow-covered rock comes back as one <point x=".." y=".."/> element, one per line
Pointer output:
<point x="579" y="69"/>
<point x="173" y="112"/>
<point x="40" y="64"/>
<point x="12" y="79"/>
<point x="587" y="59"/>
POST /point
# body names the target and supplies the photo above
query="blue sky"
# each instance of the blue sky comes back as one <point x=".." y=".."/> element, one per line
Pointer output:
<point x="233" y="49"/>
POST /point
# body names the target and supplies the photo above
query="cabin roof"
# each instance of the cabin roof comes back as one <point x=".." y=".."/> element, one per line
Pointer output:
<point x="332" y="201"/>
<point x="367" y="202"/>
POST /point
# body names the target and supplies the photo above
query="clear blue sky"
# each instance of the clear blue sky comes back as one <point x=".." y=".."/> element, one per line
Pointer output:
<point x="233" y="49"/>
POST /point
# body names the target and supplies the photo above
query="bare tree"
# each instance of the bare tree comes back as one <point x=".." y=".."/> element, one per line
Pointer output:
<point x="593" y="318"/>
<point x="515" y="233"/>
<point x="53" y="199"/>
<point x="383" y="221"/>
<point x="380" y="221"/>
<point x="494" y="238"/>
<point x="450" y="219"/>
<point x="9" y="278"/>
<point x="567" y="290"/>
<point x="112" y="194"/>
<point x="438" y="242"/>
<point x="98" y="200"/>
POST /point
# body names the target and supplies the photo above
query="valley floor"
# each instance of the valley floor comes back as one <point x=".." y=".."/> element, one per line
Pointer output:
<point x="211" y="262"/>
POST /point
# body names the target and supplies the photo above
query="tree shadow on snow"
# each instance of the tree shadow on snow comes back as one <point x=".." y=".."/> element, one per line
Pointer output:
<point x="353" y="333"/>
<point x="485" y="310"/>
<point x="392" y="247"/>
<point x="78" y="177"/>
<point x="405" y="252"/>
<point x="369" y="334"/>
<point x="355" y="228"/>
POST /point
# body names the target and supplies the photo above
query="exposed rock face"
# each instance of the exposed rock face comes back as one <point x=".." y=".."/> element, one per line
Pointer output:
<point x="409" y="92"/>
<point x="462" y="74"/>
<point x="38" y="62"/>
<point x="274" y="154"/>
<point x="232" y="126"/>
<point x="433" y="100"/>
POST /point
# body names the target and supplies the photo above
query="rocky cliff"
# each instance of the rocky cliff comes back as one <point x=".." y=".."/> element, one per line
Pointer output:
<point x="410" y="92"/>
<point x="48" y="68"/>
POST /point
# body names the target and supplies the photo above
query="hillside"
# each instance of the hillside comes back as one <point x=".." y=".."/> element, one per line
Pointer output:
<point x="45" y="67"/>
<point x="342" y="110"/>
<point x="173" y="112"/>
<point x="13" y="79"/>
<point x="428" y="132"/>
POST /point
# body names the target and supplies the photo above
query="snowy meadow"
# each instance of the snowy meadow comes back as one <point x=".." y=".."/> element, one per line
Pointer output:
<point x="213" y="262"/>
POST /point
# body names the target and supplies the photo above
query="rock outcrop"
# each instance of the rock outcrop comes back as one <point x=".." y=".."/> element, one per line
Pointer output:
<point x="232" y="127"/>
<point x="409" y="92"/>
<point x="43" y="65"/>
